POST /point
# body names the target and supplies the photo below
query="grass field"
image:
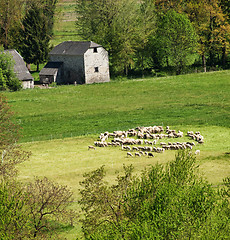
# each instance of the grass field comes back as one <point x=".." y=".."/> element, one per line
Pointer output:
<point x="68" y="111"/>
<point x="197" y="102"/>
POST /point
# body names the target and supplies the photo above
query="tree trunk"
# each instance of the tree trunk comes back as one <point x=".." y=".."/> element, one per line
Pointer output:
<point x="223" y="56"/>
<point x="37" y="67"/>
<point x="204" y="63"/>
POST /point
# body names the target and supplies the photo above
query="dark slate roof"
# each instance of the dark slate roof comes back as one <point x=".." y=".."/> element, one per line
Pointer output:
<point x="73" y="48"/>
<point x="19" y="66"/>
<point x="50" y="68"/>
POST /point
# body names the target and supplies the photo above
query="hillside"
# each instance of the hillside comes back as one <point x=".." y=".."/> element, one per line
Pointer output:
<point x="64" y="27"/>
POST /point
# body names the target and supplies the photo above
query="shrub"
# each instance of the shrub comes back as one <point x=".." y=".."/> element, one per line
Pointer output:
<point x="8" y="79"/>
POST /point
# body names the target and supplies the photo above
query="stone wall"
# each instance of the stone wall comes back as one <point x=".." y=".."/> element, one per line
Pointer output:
<point x="27" y="84"/>
<point x="96" y="65"/>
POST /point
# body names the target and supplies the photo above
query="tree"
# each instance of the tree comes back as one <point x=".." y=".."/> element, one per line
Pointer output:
<point x="164" y="202"/>
<point x="48" y="8"/>
<point x="48" y="201"/>
<point x="34" y="37"/>
<point x="10" y="17"/>
<point x="175" y="40"/>
<point x="8" y="79"/>
<point x="212" y="29"/>
<point x="107" y="23"/>
<point x="147" y="26"/>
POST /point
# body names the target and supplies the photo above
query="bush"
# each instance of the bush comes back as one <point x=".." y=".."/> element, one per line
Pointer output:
<point x="8" y="79"/>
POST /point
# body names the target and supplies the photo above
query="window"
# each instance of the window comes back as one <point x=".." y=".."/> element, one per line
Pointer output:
<point x="95" y="50"/>
<point x="96" y="69"/>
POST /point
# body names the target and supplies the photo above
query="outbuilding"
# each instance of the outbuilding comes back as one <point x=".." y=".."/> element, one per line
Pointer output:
<point x="21" y="70"/>
<point x="79" y="62"/>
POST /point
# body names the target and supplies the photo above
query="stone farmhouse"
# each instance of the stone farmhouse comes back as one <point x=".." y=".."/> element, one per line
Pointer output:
<point x="21" y="70"/>
<point x="73" y="62"/>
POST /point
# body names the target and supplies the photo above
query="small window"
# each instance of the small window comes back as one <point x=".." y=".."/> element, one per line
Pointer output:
<point x="95" y="50"/>
<point x="96" y="69"/>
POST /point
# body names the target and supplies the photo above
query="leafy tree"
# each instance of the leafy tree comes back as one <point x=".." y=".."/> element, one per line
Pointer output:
<point x="47" y="202"/>
<point x="34" y="37"/>
<point x="10" y="17"/>
<point x="8" y="79"/>
<point x="147" y="26"/>
<point x="175" y="41"/>
<point x="212" y="29"/>
<point x="165" y="202"/>
<point x="107" y="23"/>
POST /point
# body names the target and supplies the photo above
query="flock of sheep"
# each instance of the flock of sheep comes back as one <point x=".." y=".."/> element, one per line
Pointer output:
<point x="143" y="141"/>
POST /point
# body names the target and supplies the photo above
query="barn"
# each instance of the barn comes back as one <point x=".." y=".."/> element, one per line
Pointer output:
<point x="21" y="70"/>
<point x="79" y="62"/>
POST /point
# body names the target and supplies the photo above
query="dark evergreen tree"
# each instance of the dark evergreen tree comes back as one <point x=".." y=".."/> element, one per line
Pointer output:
<point x="34" y="37"/>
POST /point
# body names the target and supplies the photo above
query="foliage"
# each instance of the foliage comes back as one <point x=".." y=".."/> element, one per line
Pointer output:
<point x="8" y="79"/>
<point x="175" y="41"/>
<point x="14" y="216"/>
<point x="163" y="203"/>
<point x="2" y="81"/>
<point x="212" y="29"/>
<point x="48" y="8"/>
<point x="33" y="42"/>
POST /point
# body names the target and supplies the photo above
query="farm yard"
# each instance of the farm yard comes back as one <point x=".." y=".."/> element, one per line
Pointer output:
<point x="59" y="125"/>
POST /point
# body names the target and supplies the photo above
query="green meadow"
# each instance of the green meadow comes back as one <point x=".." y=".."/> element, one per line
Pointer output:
<point x="59" y="123"/>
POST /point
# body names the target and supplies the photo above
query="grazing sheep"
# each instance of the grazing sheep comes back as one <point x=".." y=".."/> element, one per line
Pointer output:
<point x="135" y="148"/>
<point x="129" y="154"/>
<point x="150" y="154"/>
<point x="137" y="154"/>
<point x="91" y="147"/>
<point x="149" y="149"/>
<point x="197" y="152"/>
<point x="126" y="147"/>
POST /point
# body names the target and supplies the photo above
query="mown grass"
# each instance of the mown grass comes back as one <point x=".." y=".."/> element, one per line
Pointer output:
<point x="65" y="161"/>
<point x="66" y="111"/>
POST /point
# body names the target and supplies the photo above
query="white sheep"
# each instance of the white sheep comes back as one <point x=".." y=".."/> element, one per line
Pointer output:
<point x="197" y="152"/>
